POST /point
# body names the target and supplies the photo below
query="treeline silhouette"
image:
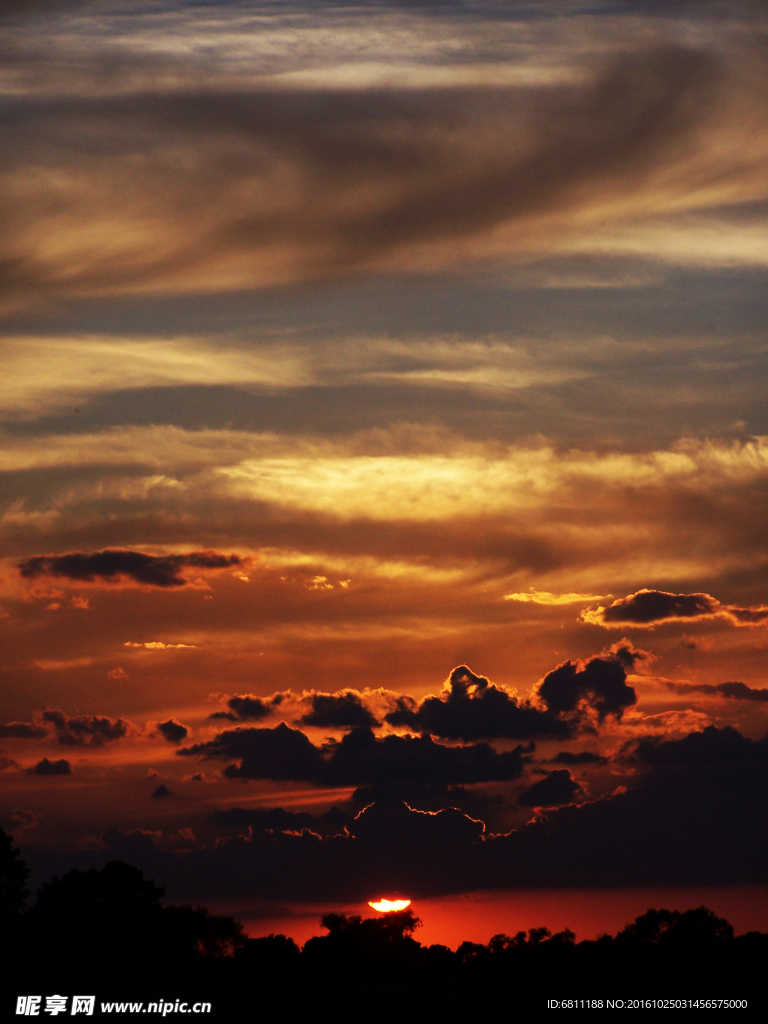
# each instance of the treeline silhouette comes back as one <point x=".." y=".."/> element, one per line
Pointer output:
<point x="106" y="931"/>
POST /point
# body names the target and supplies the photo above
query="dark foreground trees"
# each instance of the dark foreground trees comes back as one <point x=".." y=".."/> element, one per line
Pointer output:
<point x="13" y="882"/>
<point x="107" y="932"/>
<point x="106" y="926"/>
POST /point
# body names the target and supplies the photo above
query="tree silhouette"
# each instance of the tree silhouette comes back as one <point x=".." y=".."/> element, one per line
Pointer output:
<point x="13" y="880"/>
<point x="366" y="941"/>
<point x="112" y="920"/>
<point x="670" y="927"/>
<point x="190" y="932"/>
<point x="97" y="917"/>
<point x="108" y="927"/>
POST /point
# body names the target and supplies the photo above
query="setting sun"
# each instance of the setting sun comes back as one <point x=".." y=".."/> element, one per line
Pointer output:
<point x="387" y="906"/>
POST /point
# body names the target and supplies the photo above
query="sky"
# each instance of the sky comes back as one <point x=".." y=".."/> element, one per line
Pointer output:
<point x="384" y="445"/>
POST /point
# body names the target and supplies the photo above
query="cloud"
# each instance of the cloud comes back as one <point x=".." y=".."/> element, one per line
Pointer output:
<point x="686" y="821"/>
<point x="491" y="502"/>
<point x="279" y="753"/>
<point x="710" y="746"/>
<point x="386" y="847"/>
<point x="426" y="796"/>
<point x="648" y="608"/>
<point x="346" y="709"/>
<point x="557" y="788"/>
<point x="18" y="820"/>
<point x="273" y="818"/>
<point x="634" y="659"/>
<point x="22" y="731"/>
<point x="343" y="711"/>
<point x="733" y="691"/>
<point x="472" y="708"/>
<point x="85" y="730"/>
<point x="161" y="793"/>
<point x="544" y="597"/>
<point x="157" y="645"/>
<point x="276" y="819"/>
<point x="582" y="757"/>
<point x="245" y="707"/>
<point x="46" y="767"/>
<point x="312" y="184"/>
<point x="172" y="730"/>
<point x="599" y="684"/>
<point x="112" y="564"/>
<point x="359" y="758"/>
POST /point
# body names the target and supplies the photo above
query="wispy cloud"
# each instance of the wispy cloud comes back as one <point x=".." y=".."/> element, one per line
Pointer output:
<point x="544" y="597"/>
<point x="309" y="187"/>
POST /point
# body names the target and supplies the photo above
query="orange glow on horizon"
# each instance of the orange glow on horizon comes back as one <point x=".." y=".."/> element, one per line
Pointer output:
<point x="387" y="906"/>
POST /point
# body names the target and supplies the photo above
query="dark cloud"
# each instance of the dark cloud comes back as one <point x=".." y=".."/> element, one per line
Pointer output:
<point x="46" y="767"/>
<point x="710" y="746"/>
<point x="697" y="815"/>
<point x="161" y="792"/>
<point x="172" y="730"/>
<point x="342" y="711"/>
<point x="113" y="564"/>
<point x="7" y="762"/>
<point x="681" y="822"/>
<point x="245" y="708"/>
<point x="424" y="796"/>
<point x="18" y="820"/>
<point x="601" y="684"/>
<point x="279" y="753"/>
<point x="583" y="757"/>
<point x="387" y="847"/>
<point x="85" y="730"/>
<point x="734" y="691"/>
<point x="631" y="657"/>
<point x="22" y="731"/>
<point x="279" y="820"/>
<point x="359" y="758"/>
<point x="273" y="818"/>
<point x="650" y="607"/>
<point x="472" y="708"/>
<point x="557" y="788"/>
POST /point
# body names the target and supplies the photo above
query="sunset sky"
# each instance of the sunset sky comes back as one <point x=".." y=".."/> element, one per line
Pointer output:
<point x="383" y="419"/>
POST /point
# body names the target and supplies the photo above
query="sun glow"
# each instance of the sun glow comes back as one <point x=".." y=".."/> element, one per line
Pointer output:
<point x="387" y="906"/>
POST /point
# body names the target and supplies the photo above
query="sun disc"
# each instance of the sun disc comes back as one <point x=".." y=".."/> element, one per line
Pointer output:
<point x="387" y="906"/>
